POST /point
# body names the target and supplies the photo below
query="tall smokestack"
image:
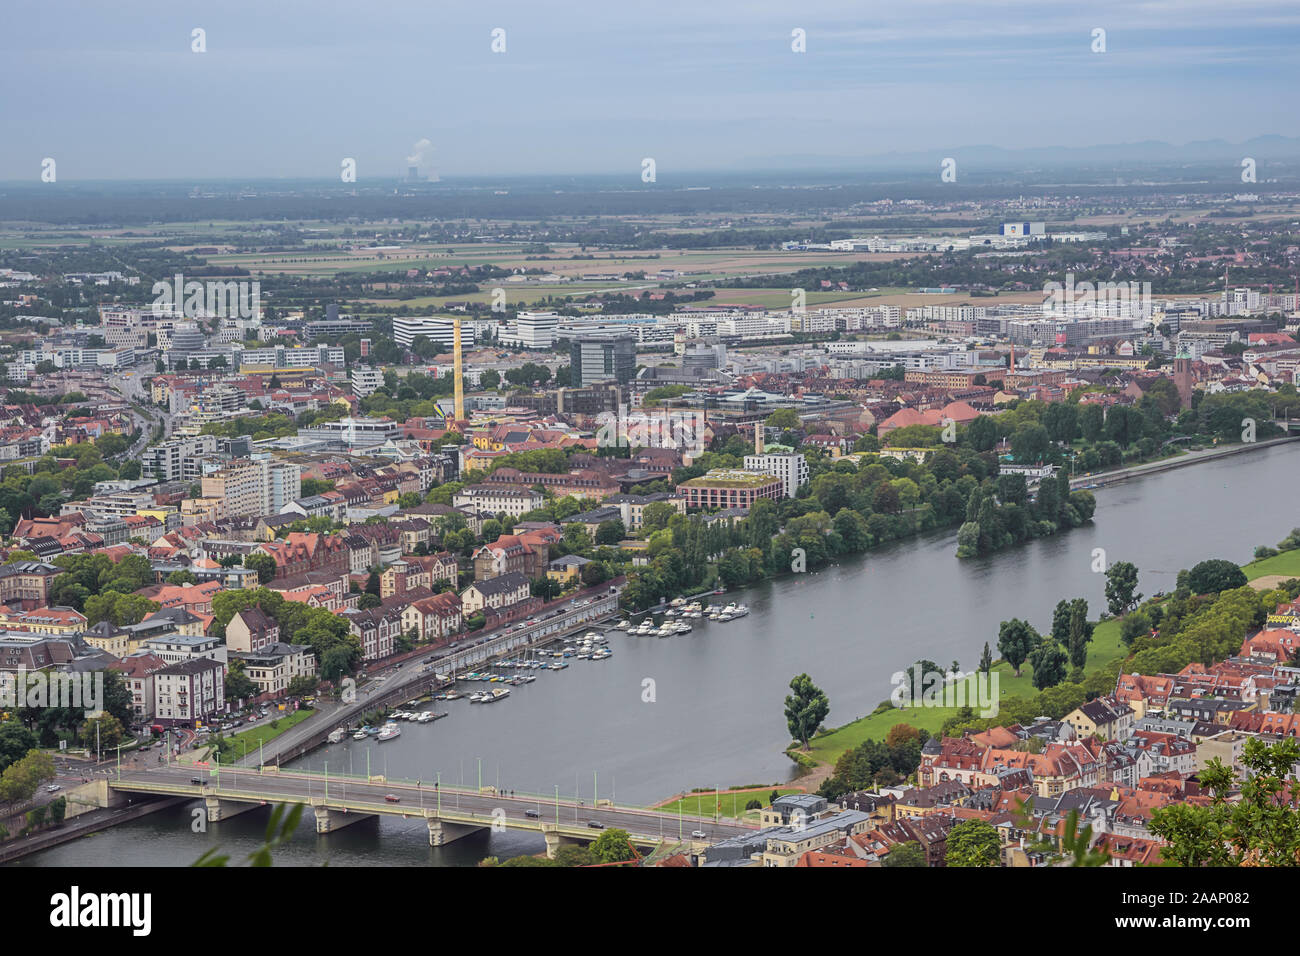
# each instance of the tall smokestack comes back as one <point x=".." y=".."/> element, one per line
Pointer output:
<point x="758" y="438"/>
<point x="456" y="369"/>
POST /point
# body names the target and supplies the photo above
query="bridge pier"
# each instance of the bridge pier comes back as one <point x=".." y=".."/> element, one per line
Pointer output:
<point x="219" y="809"/>
<point x="441" y="832"/>
<point x="327" y="820"/>
<point x="555" y="840"/>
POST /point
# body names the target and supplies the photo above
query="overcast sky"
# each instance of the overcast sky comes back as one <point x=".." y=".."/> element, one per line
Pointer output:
<point x="291" y="87"/>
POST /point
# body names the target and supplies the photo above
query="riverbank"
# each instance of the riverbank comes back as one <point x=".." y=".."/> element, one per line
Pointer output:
<point x="1104" y="650"/>
<point x="1101" y="479"/>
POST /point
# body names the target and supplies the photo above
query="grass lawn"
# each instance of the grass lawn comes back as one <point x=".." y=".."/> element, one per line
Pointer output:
<point x="828" y="748"/>
<point x="247" y="741"/>
<point x="1286" y="563"/>
<point x="733" y="801"/>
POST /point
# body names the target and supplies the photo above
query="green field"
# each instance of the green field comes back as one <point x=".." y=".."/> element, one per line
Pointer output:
<point x="733" y="801"/>
<point x="247" y="741"/>
<point x="1286" y="563"/>
<point x="828" y="747"/>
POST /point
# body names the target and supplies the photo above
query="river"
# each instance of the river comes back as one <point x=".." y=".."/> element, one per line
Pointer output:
<point x="716" y="714"/>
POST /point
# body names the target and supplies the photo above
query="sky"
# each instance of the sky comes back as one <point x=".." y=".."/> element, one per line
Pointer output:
<point x="290" y="88"/>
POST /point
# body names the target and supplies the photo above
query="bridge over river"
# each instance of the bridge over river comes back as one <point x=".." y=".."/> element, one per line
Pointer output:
<point x="450" y="812"/>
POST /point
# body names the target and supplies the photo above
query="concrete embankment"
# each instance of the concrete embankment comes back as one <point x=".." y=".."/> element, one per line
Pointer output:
<point x="1168" y="464"/>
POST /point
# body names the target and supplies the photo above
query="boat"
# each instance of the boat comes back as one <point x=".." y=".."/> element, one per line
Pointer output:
<point x="336" y="735"/>
<point x="451" y="695"/>
<point x="724" y="616"/>
<point x="372" y="731"/>
<point x="622" y="625"/>
<point x="477" y="698"/>
<point x="671" y="612"/>
<point x="677" y="601"/>
<point x="359" y="735"/>
<point x="425" y="718"/>
<point x="390" y="731"/>
<point x="496" y="695"/>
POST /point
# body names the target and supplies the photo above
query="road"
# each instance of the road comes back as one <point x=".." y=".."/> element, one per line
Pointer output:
<point x="398" y="682"/>
<point x="416" y="797"/>
<point x="129" y="382"/>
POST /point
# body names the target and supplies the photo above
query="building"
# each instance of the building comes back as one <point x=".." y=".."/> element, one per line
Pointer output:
<point x="138" y="672"/>
<point x="513" y="500"/>
<point x="594" y="360"/>
<point x="366" y="380"/>
<point x="498" y="593"/>
<point x="438" y="331"/>
<point x="27" y="583"/>
<point x="251" y="630"/>
<point x="792" y="469"/>
<point x="530" y="330"/>
<point x="180" y="459"/>
<point x="273" y="666"/>
<point x="729" y="488"/>
<point x="433" y="618"/>
<point x="254" y="486"/>
<point x="351" y="434"/>
<point x="189" y="693"/>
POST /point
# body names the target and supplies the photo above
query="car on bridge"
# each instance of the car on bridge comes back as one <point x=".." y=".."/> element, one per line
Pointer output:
<point x="392" y="798"/>
<point x="595" y="825"/>
<point x="699" y="834"/>
<point x="532" y="813"/>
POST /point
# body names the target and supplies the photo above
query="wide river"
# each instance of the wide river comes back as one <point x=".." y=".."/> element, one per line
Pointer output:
<point x="715" y="717"/>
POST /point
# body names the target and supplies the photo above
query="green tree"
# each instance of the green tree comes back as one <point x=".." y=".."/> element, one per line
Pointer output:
<point x="1078" y="633"/>
<point x="1121" y="587"/>
<point x="263" y="564"/>
<point x="1214" y="575"/>
<point x="610" y="532"/>
<point x="905" y="854"/>
<point x="972" y="843"/>
<point x="612" y="846"/>
<point x="1049" y="661"/>
<point x="805" y="709"/>
<point x="1017" y="639"/>
<point x="1260" y="829"/>
<point x="22" y="778"/>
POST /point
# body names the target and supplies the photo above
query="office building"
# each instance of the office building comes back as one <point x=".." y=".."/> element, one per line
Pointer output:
<point x="602" y="360"/>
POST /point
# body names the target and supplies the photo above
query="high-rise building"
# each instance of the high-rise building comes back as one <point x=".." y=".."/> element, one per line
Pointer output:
<point x="791" y="469"/>
<point x="439" y="331"/>
<point x="602" y="360"/>
<point x="178" y="459"/>
<point x="259" y="485"/>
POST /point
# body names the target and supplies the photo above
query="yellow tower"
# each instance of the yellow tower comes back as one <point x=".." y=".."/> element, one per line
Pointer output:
<point x="456" y="369"/>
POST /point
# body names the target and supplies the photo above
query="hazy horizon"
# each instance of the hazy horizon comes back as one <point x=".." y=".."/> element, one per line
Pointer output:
<point x="115" y="93"/>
